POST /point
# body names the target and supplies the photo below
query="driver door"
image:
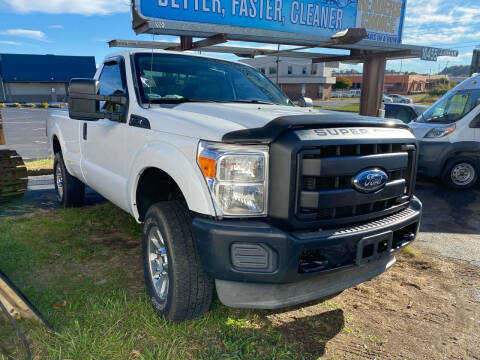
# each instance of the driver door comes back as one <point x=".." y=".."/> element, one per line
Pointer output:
<point x="104" y="141"/>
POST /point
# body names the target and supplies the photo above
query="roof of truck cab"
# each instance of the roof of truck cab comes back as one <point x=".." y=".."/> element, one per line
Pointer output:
<point x="127" y="53"/>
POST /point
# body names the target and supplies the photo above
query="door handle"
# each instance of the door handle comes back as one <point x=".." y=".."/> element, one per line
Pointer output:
<point x="84" y="131"/>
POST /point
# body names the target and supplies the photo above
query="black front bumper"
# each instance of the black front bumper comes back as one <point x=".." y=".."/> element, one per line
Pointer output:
<point x="256" y="251"/>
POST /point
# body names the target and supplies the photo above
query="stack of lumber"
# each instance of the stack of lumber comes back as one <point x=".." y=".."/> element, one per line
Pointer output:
<point x="13" y="172"/>
<point x="13" y="175"/>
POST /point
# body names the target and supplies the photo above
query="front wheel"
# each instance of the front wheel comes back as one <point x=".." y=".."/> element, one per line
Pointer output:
<point x="176" y="283"/>
<point x="461" y="173"/>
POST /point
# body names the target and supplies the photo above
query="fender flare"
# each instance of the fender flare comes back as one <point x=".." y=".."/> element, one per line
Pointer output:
<point x="459" y="147"/>
<point x="179" y="167"/>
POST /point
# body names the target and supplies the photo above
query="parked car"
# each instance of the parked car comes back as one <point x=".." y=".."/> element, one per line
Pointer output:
<point x="239" y="191"/>
<point x="404" y="112"/>
<point x="449" y="136"/>
<point x="355" y="92"/>
<point x="396" y="98"/>
<point x="386" y="99"/>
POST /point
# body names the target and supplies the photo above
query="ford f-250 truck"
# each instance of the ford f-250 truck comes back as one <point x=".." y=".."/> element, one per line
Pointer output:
<point x="239" y="191"/>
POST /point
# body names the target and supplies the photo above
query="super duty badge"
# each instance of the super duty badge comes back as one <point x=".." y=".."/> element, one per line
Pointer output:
<point x="353" y="133"/>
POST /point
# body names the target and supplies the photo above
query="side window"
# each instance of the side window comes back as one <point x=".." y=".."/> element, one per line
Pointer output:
<point x="404" y="115"/>
<point x="473" y="101"/>
<point x="390" y="111"/>
<point x="111" y="83"/>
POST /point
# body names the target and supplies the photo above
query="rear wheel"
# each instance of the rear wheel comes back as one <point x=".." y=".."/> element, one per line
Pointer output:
<point x="461" y="172"/>
<point x="70" y="190"/>
<point x="174" y="278"/>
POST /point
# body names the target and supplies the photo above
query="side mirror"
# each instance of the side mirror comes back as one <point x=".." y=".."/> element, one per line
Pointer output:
<point x="80" y="106"/>
<point x="83" y="101"/>
<point x="305" y="102"/>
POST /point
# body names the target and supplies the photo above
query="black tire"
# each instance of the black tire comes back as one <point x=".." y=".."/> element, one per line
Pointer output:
<point x="448" y="175"/>
<point x="73" y="192"/>
<point x="190" y="289"/>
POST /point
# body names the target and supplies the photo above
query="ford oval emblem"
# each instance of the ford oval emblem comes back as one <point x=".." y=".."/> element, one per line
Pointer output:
<point x="370" y="180"/>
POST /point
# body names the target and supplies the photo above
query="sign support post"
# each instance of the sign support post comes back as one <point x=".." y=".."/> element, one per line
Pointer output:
<point x="372" y="85"/>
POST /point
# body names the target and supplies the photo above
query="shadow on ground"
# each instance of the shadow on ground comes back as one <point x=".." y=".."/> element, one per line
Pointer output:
<point x="41" y="196"/>
<point x="310" y="333"/>
<point x="446" y="210"/>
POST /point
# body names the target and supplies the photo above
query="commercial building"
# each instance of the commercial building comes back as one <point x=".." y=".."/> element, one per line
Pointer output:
<point x="403" y="84"/>
<point x="38" y="78"/>
<point x="297" y="76"/>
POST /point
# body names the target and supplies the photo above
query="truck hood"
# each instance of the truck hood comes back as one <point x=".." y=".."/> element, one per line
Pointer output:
<point x="210" y="121"/>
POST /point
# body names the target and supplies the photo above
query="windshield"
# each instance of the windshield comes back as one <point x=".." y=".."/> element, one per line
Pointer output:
<point x="452" y="107"/>
<point x="167" y="78"/>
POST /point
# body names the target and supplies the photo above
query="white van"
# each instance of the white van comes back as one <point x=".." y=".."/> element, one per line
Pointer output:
<point x="449" y="136"/>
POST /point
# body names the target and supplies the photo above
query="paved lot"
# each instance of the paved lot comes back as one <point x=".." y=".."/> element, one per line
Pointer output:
<point x="25" y="131"/>
<point x="450" y="223"/>
<point x="41" y="196"/>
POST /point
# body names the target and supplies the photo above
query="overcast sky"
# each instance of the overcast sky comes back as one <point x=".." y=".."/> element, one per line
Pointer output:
<point x="82" y="27"/>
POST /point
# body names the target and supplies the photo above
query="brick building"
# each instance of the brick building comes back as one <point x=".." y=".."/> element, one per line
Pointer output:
<point x="402" y="83"/>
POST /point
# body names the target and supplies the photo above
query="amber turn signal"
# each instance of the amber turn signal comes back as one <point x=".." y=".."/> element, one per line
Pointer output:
<point x="208" y="166"/>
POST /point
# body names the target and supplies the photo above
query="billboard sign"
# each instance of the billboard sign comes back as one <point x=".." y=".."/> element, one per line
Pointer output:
<point x="383" y="19"/>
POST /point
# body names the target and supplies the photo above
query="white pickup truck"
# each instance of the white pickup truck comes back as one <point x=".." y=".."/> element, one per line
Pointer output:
<point x="239" y="191"/>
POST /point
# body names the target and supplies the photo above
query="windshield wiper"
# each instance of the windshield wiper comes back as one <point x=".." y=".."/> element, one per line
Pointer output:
<point x="253" y="101"/>
<point x="178" y="100"/>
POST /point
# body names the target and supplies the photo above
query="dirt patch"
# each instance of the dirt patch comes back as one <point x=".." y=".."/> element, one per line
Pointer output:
<point x="425" y="307"/>
<point x="116" y="241"/>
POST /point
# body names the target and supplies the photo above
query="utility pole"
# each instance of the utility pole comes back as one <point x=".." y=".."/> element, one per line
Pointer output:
<point x="445" y="78"/>
<point x="278" y="61"/>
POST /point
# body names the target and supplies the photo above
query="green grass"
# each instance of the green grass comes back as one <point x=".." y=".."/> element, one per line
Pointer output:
<point x="41" y="164"/>
<point x="89" y="259"/>
<point x="424" y="99"/>
<point x="346" y="108"/>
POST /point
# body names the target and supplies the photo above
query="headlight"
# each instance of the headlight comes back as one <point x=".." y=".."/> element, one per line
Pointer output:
<point x="439" y="132"/>
<point x="236" y="176"/>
